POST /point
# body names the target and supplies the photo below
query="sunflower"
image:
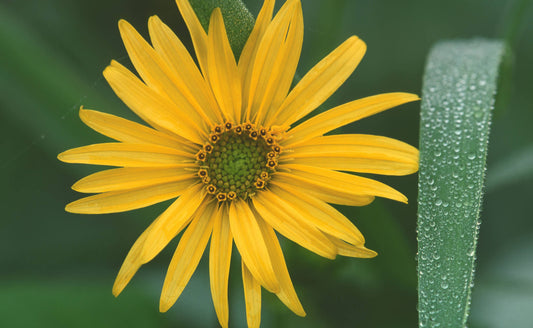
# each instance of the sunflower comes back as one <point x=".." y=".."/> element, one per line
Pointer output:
<point x="223" y="140"/>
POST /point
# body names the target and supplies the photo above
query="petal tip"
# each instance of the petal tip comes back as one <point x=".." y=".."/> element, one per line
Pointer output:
<point x="77" y="207"/>
<point x="83" y="112"/>
<point x="414" y="97"/>
<point x="122" y="23"/>
<point x="370" y="253"/>
<point x="216" y="15"/>
<point x="356" y="41"/>
<point x="65" y="156"/>
<point x="409" y="96"/>
<point x="154" y="22"/>
<point x="69" y="208"/>
<point x="117" y="289"/>
<point x="108" y="69"/>
<point x="61" y="156"/>
<point x="114" y="63"/>
<point x="76" y="187"/>
<point x="164" y="305"/>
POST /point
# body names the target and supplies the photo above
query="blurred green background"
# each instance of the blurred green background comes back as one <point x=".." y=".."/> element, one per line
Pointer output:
<point x="57" y="269"/>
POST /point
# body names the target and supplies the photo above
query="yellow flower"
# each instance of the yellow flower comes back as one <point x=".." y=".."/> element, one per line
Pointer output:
<point x="223" y="140"/>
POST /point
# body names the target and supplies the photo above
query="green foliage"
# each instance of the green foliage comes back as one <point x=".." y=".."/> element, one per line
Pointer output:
<point x="512" y="169"/>
<point x="32" y="85"/>
<point x="457" y="99"/>
<point x="34" y="304"/>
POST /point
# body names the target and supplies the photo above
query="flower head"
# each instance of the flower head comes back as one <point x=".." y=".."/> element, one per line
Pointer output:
<point x="222" y="139"/>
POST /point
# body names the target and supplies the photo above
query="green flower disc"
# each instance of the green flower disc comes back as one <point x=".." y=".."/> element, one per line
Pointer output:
<point x="236" y="163"/>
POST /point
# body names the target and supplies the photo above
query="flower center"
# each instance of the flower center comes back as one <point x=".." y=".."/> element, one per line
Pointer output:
<point x="237" y="161"/>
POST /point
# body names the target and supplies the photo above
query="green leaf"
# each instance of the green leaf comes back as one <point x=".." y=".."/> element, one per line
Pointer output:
<point x="238" y="20"/>
<point x="457" y="99"/>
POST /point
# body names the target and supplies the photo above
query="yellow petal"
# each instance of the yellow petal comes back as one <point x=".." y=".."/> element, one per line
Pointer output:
<point x="219" y="264"/>
<point x="252" y="298"/>
<point x="275" y="61"/>
<point x="131" y="178"/>
<point x="320" y="82"/>
<point x="131" y="264"/>
<point x="198" y="35"/>
<point x="346" y="249"/>
<point x="345" y="114"/>
<point x="187" y="256"/>
<point x="126" y="155"/>
<point x="127" y="131"/>
<point x="172" y="221"/>
<point x="153" y="108"/>
<point x="250" y="48"/>
<point x="290" y="223"/>
<point x="156" y="74"/>
<point x="251" y="244"/>
<point x="223" y="74"/>
<point x="293" y="47"/>
<point x="324" y="195"/>
<point x="318" y="213"/>
<point x="287" y="294"/>
<point x="185" y="73"/>
<point x="136" y="256"/>
<point x="336" y="182"/>
<point x="356" y="153"/>
<point x="355" y="163"/>
<point x="360" y="140"/>
<point x="126" y="200"/>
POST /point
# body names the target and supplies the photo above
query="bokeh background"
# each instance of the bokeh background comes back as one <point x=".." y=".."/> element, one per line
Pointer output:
<point x="57" y="269"/>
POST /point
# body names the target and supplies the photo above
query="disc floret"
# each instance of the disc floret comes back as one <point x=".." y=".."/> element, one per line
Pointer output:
<point x="237" y="161"/>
